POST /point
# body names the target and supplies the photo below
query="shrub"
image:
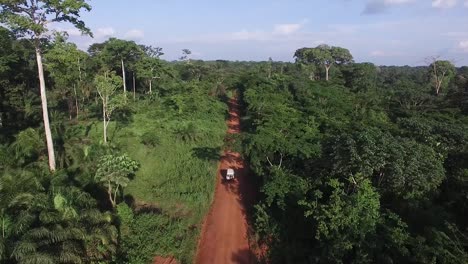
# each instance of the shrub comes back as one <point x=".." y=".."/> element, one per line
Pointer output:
<point x="125" y="214"/>
<point x="150" y="139"/>
<point x="187" y="132"/>
<point x="151" y="235"/>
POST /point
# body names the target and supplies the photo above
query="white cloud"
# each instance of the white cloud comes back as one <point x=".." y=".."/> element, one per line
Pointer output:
<point x="466" y="3"/>
<point x="286" y="29"/>
<point x="463" y="45"/>
<point x="83" y="42"/>
<point x="279" y="30"/>
<point x="378" y="53"/>
<point x="104" y="32"/>
<point x="73" y="32"/>
<point x="135" y="34"/>
<point x="248" y="35"/>
<point x="444" y="3"/>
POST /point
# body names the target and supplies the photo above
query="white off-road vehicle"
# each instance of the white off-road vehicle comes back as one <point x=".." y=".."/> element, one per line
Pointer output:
<point x="230" y="174"/>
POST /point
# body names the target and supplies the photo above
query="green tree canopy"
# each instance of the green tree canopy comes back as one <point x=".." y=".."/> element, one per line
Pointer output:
<point x="441" y="73"/>
<point x="115" y="53"/>
<point x="323" y="55"/>
<point x="114" y="173"/>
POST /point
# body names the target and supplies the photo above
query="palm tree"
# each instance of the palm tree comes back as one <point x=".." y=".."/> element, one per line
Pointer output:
<point x="58" y="224"/>
<point x="15" y="191"/>
<point x="69" y="230"/>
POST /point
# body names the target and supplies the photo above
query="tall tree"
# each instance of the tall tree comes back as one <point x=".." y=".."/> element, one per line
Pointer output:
<point x="149" y="68"/>
<point x="323" y="55"/>
<point x="106" y="86"/>
<point x="31" y="18"/>
<point x="64" y="62"/>
<point x="441" y="72"/>
<point x="117" y="53"/>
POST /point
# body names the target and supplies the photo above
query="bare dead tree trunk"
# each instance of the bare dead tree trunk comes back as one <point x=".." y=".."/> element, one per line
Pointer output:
<point x="45" y="111"/>
<point x="70" y="108"/>
<point x="438" y="81"/>
<point x="76" y="102"/>
<point x="80" y="87"/>
<point x="115" y="195"/>
<point x="150" y="86"/>
<point x="327" y="68"/>
<point x="438" y="74"/>
<point x="104" y="117"/>
<point x="79" y="69"/>
<point x="281" y="161"/>
<point x="123" y="77"/>
<point x="134" y="92"/>
<point x="436" y="77"/>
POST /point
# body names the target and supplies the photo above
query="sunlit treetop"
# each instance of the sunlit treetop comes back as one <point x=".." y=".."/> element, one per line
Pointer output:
<point x="31" y="17"/>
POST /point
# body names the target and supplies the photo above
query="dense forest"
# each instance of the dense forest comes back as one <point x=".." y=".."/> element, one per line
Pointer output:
<point x="368" y="167"/>
<point x="109" y="155"/>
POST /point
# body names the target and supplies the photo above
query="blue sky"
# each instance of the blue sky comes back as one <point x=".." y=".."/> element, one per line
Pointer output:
<point x="390" y="32"/>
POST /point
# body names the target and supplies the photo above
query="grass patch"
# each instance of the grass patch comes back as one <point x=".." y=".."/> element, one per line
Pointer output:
<point x="173" y="189"/>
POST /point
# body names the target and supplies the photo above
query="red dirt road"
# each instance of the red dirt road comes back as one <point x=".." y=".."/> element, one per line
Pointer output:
<point x="224" y="236"/>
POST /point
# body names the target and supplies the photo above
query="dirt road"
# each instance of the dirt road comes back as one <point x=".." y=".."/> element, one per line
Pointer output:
<point x="224" y="236"/>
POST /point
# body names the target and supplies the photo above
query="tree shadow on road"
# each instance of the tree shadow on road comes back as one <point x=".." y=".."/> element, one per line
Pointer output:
<point x="243" y="256"/>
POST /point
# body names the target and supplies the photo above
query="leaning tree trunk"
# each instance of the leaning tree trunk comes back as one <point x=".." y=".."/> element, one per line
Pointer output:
<point x="123" y="77"/>
<point x="45" y="112"/>
<point x="109" y="192"/>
